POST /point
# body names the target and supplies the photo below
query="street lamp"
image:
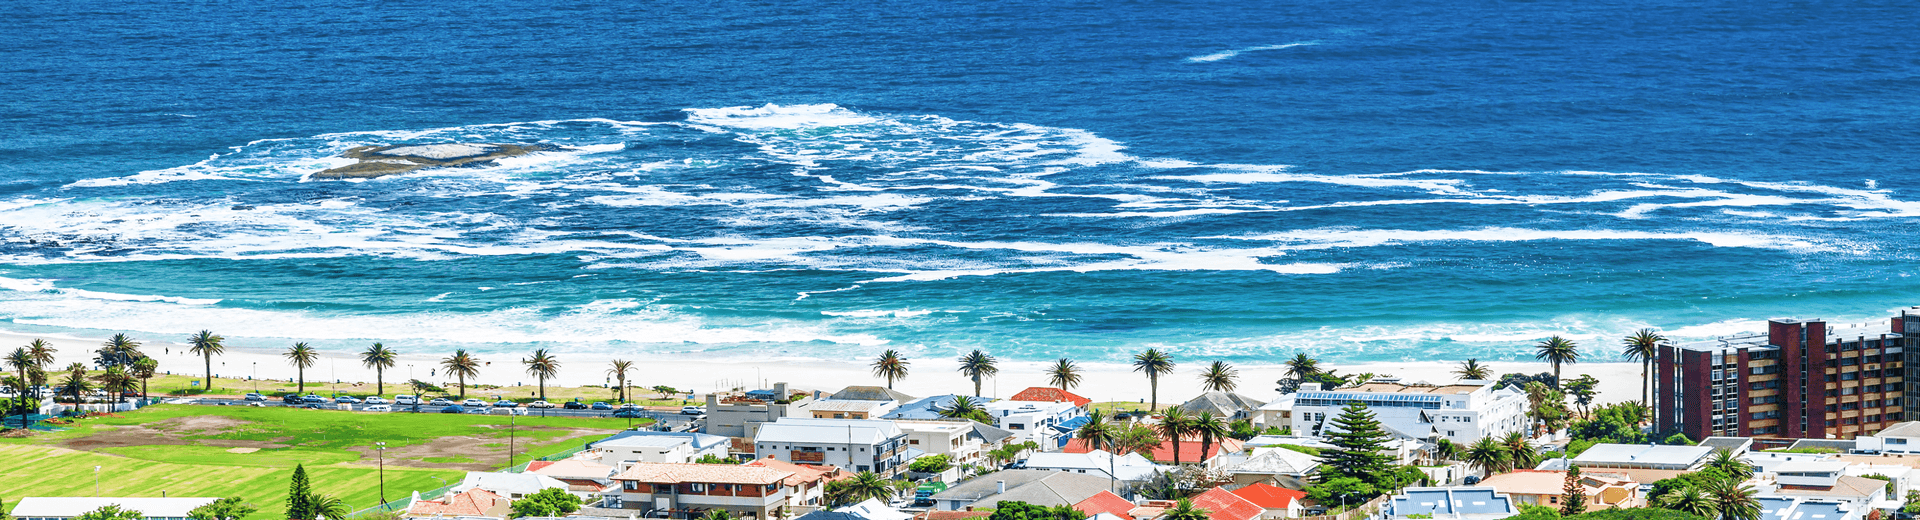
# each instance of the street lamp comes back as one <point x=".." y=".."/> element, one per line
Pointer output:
<point x="380" y="450"/>
<point x="96" y="481"/>
<point x="509" y="439"/>
<point x="256" y="377"/>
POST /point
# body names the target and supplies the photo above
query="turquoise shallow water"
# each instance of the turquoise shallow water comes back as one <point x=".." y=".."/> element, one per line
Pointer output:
<point x="1420" y="181"/>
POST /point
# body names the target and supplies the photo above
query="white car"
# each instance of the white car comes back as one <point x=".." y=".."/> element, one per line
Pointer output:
<point x="255" y="397"/>
<point x="441" y="401"/>
<point x="405" y="399"/>
<point x="693" y="410"/>
<point x="474" y="402"/>
<point x="477" y="411"/>
<point x="376" y="408"/>
<point x="376" y="400"/>
<point x="539" y="404"/>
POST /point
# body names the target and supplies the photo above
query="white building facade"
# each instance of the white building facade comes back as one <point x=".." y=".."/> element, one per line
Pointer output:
<point x="1461" y="413"/>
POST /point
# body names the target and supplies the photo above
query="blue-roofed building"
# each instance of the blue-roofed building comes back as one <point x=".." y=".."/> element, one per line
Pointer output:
<point x="661" y="447"/>
<point x="1800" y="508"/>
<point x="1463" y="503"/>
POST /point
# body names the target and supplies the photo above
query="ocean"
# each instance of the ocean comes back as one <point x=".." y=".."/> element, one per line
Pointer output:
<point x="1375" y="182"/>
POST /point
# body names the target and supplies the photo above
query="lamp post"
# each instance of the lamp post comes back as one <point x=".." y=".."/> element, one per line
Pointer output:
<point x="380" y="450"/>
<point x="509" y="439"/>
<point x="256" y="377"/>
<point x="96" y="481"/>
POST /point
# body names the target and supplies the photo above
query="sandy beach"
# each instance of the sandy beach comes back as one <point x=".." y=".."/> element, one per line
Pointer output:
<point x="1102" y="382"/>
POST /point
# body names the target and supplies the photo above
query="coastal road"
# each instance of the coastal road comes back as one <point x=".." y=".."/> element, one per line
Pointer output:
<point x="673" y="420"/>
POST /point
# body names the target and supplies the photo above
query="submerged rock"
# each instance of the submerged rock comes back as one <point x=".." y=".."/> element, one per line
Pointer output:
<point x="380" y="161"/>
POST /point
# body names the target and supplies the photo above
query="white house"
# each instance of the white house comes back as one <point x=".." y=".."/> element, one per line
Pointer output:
<point x="64" y="508"/>
<point x="512" y="486"/>
<point x="1130" y="467"/>
<point x="1900" y="438"/>
<point x="855" y="445"/>
<point x="661" y="447"/>
<point x="1463" y="412"/>
<point x="1043" y="423"/>
<point x="962" y="441"/>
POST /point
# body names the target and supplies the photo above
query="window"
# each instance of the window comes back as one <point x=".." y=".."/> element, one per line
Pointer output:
<point x="1896" y="440"/>
<point x="913" y="441"/>
<point x="697" y="488"/>
<point x="1850" y="376"/>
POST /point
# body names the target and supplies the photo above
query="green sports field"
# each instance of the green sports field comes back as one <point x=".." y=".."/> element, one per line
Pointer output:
<point x="185" y="450"/>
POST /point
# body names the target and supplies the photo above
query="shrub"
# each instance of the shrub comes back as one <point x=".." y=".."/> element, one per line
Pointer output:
<point x="930" y="464"/>
<point x="548" y="502"/>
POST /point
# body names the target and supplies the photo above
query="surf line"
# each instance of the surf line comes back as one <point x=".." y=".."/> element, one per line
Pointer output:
<point x="1208" y="58"/>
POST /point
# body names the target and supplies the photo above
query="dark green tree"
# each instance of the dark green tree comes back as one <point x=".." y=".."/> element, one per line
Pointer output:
<point x="1573" y="495"/>
<point x="1017" y="510"/>
<point x="300" y="496"/>
<point x="554" y="502"/>
<point x="1357" y="452"/>
<point x="111" y="512"/>
<point x="230" y="508"/>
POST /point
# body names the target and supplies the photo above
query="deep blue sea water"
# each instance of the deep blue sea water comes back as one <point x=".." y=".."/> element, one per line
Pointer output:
<point x="1416" y="180"/>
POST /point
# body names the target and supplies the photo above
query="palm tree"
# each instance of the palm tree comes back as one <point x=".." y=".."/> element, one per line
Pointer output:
<point x="301" y="357"/>
<point x="1139" y="439"/>
<point x="119" y="350"/>
<point x="378" y="358"/>
<point x="1219" y="377"/>
<point x="1174" y="424"/>
<point x="1153" y="363"/>
<point x="867" y="485"/>
<point x="890" y="366"/>
<point x="1733" y="499"/>
<point x="115" y="380"/>
<point x="462" y="365"/>
<point x="207" y="345"/>
<point x="1489" y="455"/>
<point x="1064" y="374"/>
<point x="329" y="507"/>
<point x="977" y="365"/>
<point x="1183" y="510"/>
<point x="1643" y="346"/>
<point x="619" y="373"/>
<point x="42" y="352"/>
<point x="145" y="369"/>
<point x="76" y="382"/>
<point x="19" y="387"/>
<point x="542" y="365"/>
<point x="1472" y="369"/>
<point x="1302" y="366"/>
<point x="1558" y="351"/>
<point x="21" y="360"/>
<point x="1521" y="454"/>
<point x="1690" y="499"/>
<point x="1730" y="465"/>
<point x="1099" y="434"/>
<point x="1211" y="428"/>
<point x="964" y="407"/>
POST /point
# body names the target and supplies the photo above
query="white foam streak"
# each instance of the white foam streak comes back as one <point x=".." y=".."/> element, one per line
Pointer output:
<point x="1209" y="58"/>
<point x="1328" y="238"/>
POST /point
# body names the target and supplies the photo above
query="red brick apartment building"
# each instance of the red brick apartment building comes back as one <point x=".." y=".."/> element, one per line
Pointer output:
<point x="1800" y="379"/>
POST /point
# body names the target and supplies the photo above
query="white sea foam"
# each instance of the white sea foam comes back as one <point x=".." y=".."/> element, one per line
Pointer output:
<point x="1328" y="238"/>
<point x="772" y="116"/>
<point x="1209" y="58"/>
<point x="47" y="287"/>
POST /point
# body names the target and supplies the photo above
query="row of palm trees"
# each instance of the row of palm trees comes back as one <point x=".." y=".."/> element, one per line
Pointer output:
<point x="124" y="366"/>
<point x="1064" y="373"/>
<point x="1643" y="346"/>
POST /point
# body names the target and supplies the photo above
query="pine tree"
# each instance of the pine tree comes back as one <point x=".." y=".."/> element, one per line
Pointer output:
<point x="1357" y="453"/>
<point x="300" y="496"/>
<point x="1573" y="496"/>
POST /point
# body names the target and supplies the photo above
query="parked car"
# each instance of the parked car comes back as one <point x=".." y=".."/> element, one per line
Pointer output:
<point x="377" y="408"/>
<point x="477" y="411"/>
<point x="255" y="397"/>
<point x="346" y="400"/>
<point x="442" y="401"/>
<point x="474" y="402"/>
<point x="453" y="409"/>
<point x="293" y="399"/>
<point x="693" y="410"/>
<point x="506" y="403"/>
<point x="630" y="413"/>
<point x="376" y="400"/>
<point x="539" y="404"/>
<point x="315" y="406"/>
<point x="310" y="398"/>
<point x="602" y="405"/>
<point x="256" y="404"/>
<point x="405" y="399"/>
<point x="575" y="405"/>
<point x="629" y="406"/>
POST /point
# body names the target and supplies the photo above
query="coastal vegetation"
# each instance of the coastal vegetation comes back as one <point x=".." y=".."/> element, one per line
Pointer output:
<point x="1154" y="364"/>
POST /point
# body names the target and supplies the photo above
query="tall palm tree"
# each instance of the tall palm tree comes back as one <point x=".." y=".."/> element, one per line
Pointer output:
<point x="890" y="366"/>
<point x="379" y="358"/>
<point x="1064" y="374"/>
<point x="1519" y="453"/>
<point x="302" y="357"/>
<point x="1643" y="346"/>
<point x="1558" y="351"/>
<point x="1733" y="499"/>
<point x="1174" y="425"/>
<point x="1489" y="455"/>
<point x="542" y="365"/>
<point x="977" y="365"/>
<point x="1211" y="428"/>
<point x="1183" y="509"/>
<point x="115" y="380"/>
<point x="1099" y="434"/>
<point x="145" y="369"/>
<point x="19" y="387"/>
<point x="119" y="350"/>
<point x="964" y="407"/>
<point x="462" y="365"/>
<point x="1154" y="364"/>
<point x="21" y="360"/>
<point x="207" y="345"/>
<point x="1472" y="369"/>
<point x="1730" y="465"/>
<point x="76" y="382"/>
<point x="42" y="352"/>
<point x="1690" y="499"/>
<point x="1302" y="366"/>
<point x="1219" y="377"/>
<point x="619" y="373"/>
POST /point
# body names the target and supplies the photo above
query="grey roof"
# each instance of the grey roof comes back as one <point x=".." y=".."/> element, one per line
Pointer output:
<point x="1905" y="429"/>
<point x="151" y="507"/>
<point x="988" y="433"/>
<point x="1737" y="445"/>
<point x="1277" y="461"/>
<point x="1461" y="501"/>
<point x="1774" y="508"/>
<point x="1033" y="486"/>
<point x="1224" y="404"/>
<point x="1643" y="455"/>
<point x="700" y="441"/>
<point x="1790" y="508"/>
<point x="806" y="430"/>
<point x="870" y="393"/>
<point x="1833" y="444"/>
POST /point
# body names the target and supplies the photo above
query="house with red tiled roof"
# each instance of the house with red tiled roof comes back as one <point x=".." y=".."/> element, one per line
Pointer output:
<point x="1225" y="505"/>
<point x="1048" y="394"/>
<point x="582" y="475"/>
<point x="474" y="502"/>
<point x="808" y="484"/>
<point x="1106" y="502"/>
<point x="1190" y="450"/>
<point x="1278" y="502"/>
<point x="690" y="490"/>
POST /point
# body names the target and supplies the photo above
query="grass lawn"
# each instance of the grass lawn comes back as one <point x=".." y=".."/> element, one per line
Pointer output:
<point x="181" y="384"/>
<point x="188" y="450"/>
<point x="1123" y="406"/>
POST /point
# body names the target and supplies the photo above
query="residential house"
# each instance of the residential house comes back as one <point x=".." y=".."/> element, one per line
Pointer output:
<point x="1047" y="394"/>
<point x="1130" y="467"/>
<point x="585" y="476"/>
<point x="870" y="393"/>
<point x="1223" y="404"/>
<point x="1038" y="487"/>
<point x="474" y="503"/>
<point x="1453" y="503"/>
<point x="1045" y="423"/>
<point x="690" y="490"/>
<point x="928" y="408"/>
<point x="857" y="445"/>
<point x="962" y="441"/>
<point x="742" y="416"/>
<point x="1643" y="456"/>
<point x="838" y="409"/>
<point x="1819" y="478"/>
<point x="512" y="486"/>
<point x="1792" y="508"/>
<point x="658" y="447"/>
<point x="1277" y="466"/>
<point x="1224" y="505"/>
<point x="1191" y="450"/>
<point x="807" y="486"/>
<point x="66" y="508"/>
<point x="1462" y="413"/>
<point x="1532" y="487"/>
<point x="1902" y="438"/>
<point x="1105" y="502"/>
<point x="1278" y="502"/>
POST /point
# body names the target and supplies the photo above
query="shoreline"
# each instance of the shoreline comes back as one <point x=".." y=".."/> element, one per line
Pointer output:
<point x="1102" y="382"/>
